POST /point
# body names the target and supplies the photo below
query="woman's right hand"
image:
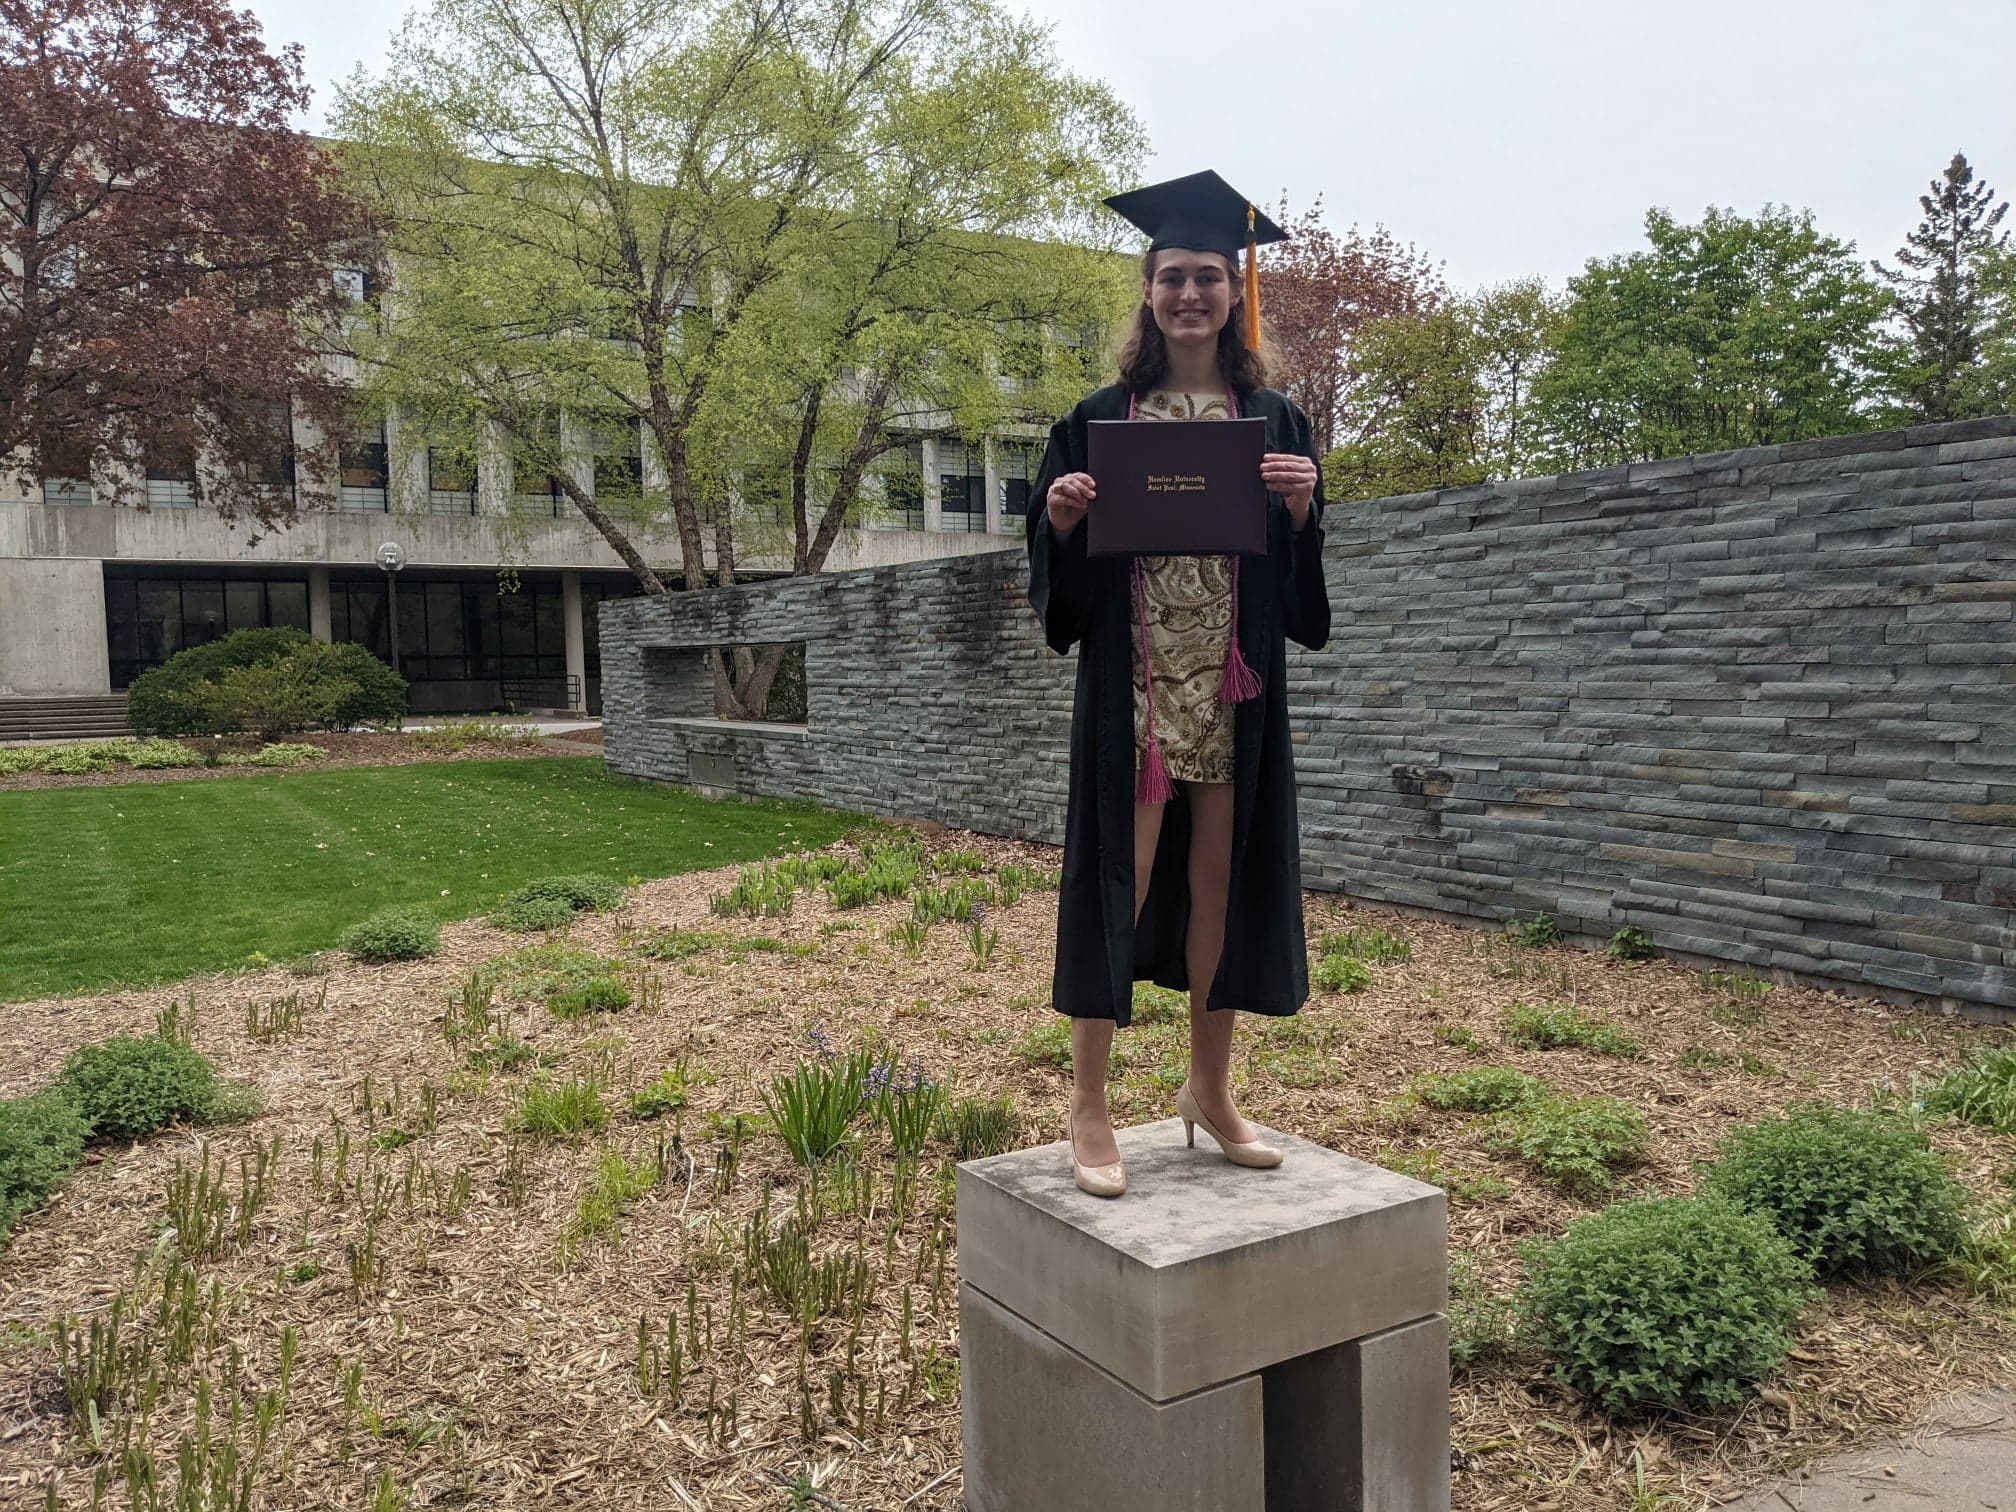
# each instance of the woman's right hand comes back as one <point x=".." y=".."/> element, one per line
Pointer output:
<point x="1067" y="501"/>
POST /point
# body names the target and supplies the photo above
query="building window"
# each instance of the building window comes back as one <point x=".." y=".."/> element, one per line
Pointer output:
<point x="274" y="466"/>
<point x="66" y="474"/>
<point x="901" y="474"/>
<point x="149" y="619"/>
<point x="962" y="487"/>
<point x="1016" y="465"/>
<point x="619" y="458"/>
<point x="171" y="476"/>
<point x="363" y="471"/>
<point x="451" y="483"/>
<point x="357" y="282"/>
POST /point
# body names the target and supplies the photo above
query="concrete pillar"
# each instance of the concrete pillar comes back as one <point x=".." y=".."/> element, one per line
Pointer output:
<point x="52" y="627"/>
<point x="934" y="515"/>
<point x="1246" y="1341"/>
<point x="319" y="624"/>
<point x="577" y="641"/>
<point x="992" y="465"/>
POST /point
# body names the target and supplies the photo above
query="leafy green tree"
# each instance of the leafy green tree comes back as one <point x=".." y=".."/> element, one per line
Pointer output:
<point x="763" y="238"/>
<point x="1514" y="326"/>
<point x="1737" y="331"/>
<point x="1423" y="393"/>
<point x="1941" y="299"/>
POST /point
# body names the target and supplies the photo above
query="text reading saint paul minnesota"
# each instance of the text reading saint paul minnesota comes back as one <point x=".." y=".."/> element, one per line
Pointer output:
<point x="1007" y="756"/>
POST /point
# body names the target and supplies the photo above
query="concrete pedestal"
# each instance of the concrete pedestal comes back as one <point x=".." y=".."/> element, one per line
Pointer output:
<point x="1218" y="1338"/>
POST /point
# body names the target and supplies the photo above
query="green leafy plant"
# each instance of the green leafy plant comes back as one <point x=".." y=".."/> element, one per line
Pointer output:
<point x="1427" y="1165"/>
<point x="1339" y="973"/>
<point x="558" y="1110"/>
<point x="1981" y="1090"/>
<point x="1462" y="1037"/>
<point x="130" y="1086"/>
<point x="1680" y="1303"/>
<point x="41" y="1140"/>
<point x="596" y="995"/>
<point x="668" y="1094"/>
<point x="813" y="1107"/>
<point x="1849" y="1190"/>
<point x="1538" y="931"/>
<point x="975" y="1126"/>
<point x="1578" y="1144"/>
<point x="1483" y="1324"/>
<point x="1489" y="1089"/>
<point x="909" y="1108"/>
<point x="1367" y="945"/>
<point x="677" y="944"/>
<point x="1556" y="1026"/>
<point x="394" y="934"/>
<point x="618" y="1182"/>
<point x="1629" y="943"/>
<point x="911" y="935"/>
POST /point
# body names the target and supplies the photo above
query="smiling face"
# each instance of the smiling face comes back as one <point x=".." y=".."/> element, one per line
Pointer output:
<point x="1190" y="294"/>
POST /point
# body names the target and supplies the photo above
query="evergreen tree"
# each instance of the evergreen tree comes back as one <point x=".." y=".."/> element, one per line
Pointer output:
<point x="1938" y="293"/>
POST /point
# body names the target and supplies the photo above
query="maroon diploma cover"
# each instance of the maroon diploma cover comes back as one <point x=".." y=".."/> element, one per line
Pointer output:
<point x="1177" y="487"/>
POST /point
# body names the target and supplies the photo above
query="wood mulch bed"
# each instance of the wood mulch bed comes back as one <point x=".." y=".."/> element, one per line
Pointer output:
<point x="483" y="1366"/>
<point x="341" y="749"/>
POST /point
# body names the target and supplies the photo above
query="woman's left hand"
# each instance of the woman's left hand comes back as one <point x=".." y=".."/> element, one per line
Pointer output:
<point x="1294" y="478"/>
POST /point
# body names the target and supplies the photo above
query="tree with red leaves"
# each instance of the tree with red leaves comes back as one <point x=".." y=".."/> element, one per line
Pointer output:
<point x="168" y="249"/>
<point x="1321" y="289"/>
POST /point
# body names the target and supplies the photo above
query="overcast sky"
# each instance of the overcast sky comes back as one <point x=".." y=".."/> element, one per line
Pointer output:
<point x="1510" y="137"/>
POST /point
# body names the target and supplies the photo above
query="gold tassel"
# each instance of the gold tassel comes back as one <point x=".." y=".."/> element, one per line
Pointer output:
<point x="1252" y="284"/>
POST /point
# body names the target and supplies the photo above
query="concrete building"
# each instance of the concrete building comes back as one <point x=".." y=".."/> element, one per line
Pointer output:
<point x="497" y="601"/>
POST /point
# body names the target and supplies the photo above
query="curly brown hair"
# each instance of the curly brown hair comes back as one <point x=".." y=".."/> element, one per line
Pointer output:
<point x="1143" y="357"/>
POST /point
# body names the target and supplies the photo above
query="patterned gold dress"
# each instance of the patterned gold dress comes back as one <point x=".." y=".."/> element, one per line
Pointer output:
<point x="1188" y="603"/>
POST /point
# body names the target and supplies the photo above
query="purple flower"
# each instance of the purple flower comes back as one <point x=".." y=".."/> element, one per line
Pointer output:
<point x="979" y="913"/>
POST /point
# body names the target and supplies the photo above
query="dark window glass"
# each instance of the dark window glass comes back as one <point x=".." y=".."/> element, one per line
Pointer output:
<point x="202" y="611"/>
<point x="444" y="620"/>
<point x="412" y="624"/>
<point x="244" y="605"/>
<point x="287" y="604"/>
<point x="362" y="465"/>
<point x="515" y="610"/>
<point x="122" y="620"/>
<point x="552" y="629"/>
<point x="367" y="618"/>
<point x="159" y="620"/>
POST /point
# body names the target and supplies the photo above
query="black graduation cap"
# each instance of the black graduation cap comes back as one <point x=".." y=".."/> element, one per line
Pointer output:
<point x="1200" y="212"/>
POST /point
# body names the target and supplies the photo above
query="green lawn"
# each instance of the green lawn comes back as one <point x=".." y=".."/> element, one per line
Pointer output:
<point x="115" y="886"/>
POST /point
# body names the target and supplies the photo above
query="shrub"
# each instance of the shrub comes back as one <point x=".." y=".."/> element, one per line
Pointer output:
<point x="1489" y="1089"/>
<point x="160" y="755"/>
<point x="1665" y="1302"/>
<point x="1555" y="1026"/>
<point x="1538" y="931"/>
<point x="579" y="894"/>
<point x="1578" y="1144"/>
<point x="596" y="995"/>
<point x="394" y="934"/>
<point x="132" y="1085"/>
<point x="531" y="915"/>
<point x="1850" y="1190"/>
<point x="194" y="693"/>
<point x="41" y="1140"/>
<point x="976" y="1126"/>
<point x="285" y="754"/>
<point x="1982" y="1090"/>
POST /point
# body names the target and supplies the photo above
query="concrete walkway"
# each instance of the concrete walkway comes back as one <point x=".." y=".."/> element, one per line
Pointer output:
<point x="1960" y="1459"/>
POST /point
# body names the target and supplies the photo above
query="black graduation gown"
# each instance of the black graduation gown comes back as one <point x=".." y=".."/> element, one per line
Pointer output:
<point x="1088" y="602"/>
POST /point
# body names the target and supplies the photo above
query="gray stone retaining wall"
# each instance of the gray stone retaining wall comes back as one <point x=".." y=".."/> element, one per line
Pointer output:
<point x="1761" y="704"/>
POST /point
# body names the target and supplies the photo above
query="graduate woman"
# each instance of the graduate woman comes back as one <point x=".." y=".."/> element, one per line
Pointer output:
<point x="1181" y="852"/>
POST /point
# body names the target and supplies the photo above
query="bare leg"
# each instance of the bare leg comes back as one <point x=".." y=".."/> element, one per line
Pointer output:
<point x="1211" y="1033"/>
<point x="1092" y="1039"/>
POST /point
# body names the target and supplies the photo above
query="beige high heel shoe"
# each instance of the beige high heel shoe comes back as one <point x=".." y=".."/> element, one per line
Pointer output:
<point x="1099" y="1181"/>
<point x="1255" y="1152"/>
